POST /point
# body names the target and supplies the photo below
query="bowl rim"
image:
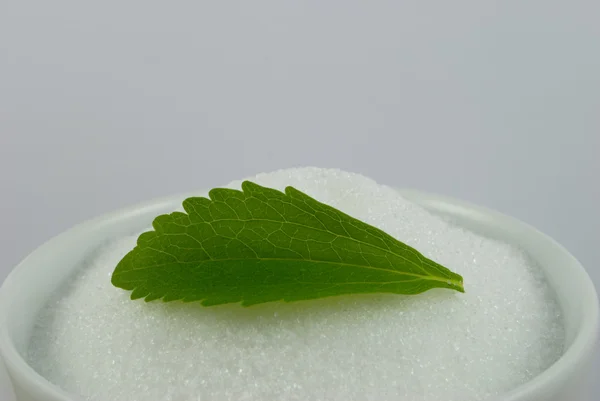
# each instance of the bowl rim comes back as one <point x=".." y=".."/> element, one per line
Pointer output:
<point x="580" y="349"/>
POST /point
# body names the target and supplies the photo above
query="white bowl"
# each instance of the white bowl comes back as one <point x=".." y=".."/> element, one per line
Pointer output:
<point x="32" y="282"/>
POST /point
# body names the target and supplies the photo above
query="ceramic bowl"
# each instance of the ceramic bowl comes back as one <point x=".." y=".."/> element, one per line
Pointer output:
<point x="31" y="283"/>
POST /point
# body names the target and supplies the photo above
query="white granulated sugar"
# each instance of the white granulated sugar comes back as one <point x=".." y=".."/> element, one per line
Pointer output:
<point x="441" y="345"/>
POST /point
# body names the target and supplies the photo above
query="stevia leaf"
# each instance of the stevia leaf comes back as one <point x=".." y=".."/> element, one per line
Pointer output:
<point x="260" y="245"/>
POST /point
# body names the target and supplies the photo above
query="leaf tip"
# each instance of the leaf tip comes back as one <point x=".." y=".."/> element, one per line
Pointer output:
<point x="458" y="284"/>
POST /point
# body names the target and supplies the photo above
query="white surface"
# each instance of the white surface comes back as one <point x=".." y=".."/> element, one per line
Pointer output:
<point x="493" y="102"/>
<point x="37" y="278"/>
<point x="506" y="329"/>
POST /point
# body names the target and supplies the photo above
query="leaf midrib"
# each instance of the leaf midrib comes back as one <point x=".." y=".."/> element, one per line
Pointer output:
<point x="432" y="278"/>
<point x="311" y="228"/>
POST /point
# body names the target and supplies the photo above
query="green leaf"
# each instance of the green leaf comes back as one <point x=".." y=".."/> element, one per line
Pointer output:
<point x="260" y="245"/>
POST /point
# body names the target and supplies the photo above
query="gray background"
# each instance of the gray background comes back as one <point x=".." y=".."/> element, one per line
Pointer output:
<point x="107" y="103"/>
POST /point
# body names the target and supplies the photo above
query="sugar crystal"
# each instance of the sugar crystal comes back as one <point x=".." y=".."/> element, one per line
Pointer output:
<point x="94" y="342"/>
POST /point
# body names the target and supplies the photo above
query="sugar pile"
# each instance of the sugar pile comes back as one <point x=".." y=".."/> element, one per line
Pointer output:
<point x="93" y="341"/>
